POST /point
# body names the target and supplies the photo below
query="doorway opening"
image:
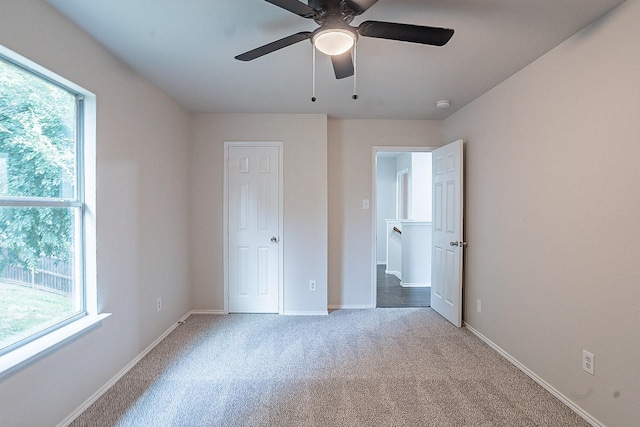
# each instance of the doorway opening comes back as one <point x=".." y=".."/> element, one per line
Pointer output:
<point x="402" y="214"/>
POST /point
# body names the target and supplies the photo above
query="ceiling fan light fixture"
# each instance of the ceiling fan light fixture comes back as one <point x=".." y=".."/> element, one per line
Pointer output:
<point x="334" y="41"/>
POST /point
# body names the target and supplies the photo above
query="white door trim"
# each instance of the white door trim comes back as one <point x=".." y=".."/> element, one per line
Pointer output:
<point x="374" y="206"/>
<point x="225" y="217"/>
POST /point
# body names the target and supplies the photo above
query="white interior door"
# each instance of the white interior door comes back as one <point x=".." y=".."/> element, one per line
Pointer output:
<point x="253" y="227"/>
<point x="448" y="245"/>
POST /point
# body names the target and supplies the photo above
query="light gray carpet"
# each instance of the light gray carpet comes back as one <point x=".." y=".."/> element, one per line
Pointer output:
<point x="382" y="367"/>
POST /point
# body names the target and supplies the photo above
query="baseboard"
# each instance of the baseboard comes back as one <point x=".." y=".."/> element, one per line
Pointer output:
<point x="102" y="390"/>
<point x="395" y="273"/>
<point x="305" y="313"/>
<point x="415" y="285"/>
<point x="564" y="399"/>
<point x="350" y="307"/>
<point x="207" y="312"/>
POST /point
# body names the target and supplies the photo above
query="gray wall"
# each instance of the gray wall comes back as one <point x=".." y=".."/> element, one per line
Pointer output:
<point x="142" y="175"/>
<point x="305" y="203"/>
<point x="552" y="192"/>
<point x="552" y="208"/>
<point x="350" y="162"/>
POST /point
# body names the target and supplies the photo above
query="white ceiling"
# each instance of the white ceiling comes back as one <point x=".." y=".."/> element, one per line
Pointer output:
<point x="187" y="48"/>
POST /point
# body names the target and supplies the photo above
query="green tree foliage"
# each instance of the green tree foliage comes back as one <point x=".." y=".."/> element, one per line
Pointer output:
<point x="37" y="142"/>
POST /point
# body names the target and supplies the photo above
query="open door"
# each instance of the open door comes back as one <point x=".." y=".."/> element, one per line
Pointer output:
<point x="448" y="246"/>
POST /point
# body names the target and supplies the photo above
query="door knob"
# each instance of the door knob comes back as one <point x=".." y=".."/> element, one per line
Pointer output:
<point x="453" y="244"/>
<point x="274" y="239"/>
<point x="461" y="244"/>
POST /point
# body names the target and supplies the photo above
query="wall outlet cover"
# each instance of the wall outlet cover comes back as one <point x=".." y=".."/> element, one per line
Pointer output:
<point x="588" y="362"/>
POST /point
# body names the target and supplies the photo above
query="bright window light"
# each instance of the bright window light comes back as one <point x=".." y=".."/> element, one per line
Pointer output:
<point x="42" y="204"/>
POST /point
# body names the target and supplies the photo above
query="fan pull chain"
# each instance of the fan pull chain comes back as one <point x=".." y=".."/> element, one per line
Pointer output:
<point x="355" y="71"/>
<point x="313" y="94"/>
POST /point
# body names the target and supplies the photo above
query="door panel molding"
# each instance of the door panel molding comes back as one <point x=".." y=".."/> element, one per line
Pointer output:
<point x="448" y="231"/>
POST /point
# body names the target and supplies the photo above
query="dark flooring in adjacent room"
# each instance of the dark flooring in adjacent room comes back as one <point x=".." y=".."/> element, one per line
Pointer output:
<point x="391" y="294"/>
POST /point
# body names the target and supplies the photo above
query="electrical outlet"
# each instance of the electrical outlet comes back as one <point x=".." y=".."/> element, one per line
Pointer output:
<point x="312" y="285"/>
<point x="479" y="306"/>
<point x="159" y="304"/>
<point x="588" y="362"/>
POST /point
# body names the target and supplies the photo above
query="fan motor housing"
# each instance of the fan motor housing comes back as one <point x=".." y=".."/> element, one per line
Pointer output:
<point x="331" y="12"/>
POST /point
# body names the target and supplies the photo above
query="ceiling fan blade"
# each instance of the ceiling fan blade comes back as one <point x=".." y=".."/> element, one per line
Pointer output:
<point x="273" y="46"/>
<point x="342" y="65"/>
<point x="294" y="6"/>
<point x="406" y="32"/>
<point x="359" y="6"/>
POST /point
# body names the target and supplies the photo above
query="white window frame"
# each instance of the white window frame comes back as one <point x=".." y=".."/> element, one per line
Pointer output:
<point x="51" y="339"/>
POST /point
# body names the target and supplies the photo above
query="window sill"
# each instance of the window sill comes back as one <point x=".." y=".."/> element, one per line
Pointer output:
<point x="29" y="353"/>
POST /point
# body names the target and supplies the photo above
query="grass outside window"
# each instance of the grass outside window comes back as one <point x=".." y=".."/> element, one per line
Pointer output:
<point x="43" y="308"/>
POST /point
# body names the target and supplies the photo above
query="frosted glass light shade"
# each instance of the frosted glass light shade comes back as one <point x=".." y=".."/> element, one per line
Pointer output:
<point x="334" y="41"/>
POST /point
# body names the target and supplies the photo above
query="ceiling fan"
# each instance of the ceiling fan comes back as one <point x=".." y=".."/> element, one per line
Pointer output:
<point x="336" y="38"/>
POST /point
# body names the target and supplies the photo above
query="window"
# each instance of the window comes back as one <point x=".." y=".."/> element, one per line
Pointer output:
<point x="45" y="239"/>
